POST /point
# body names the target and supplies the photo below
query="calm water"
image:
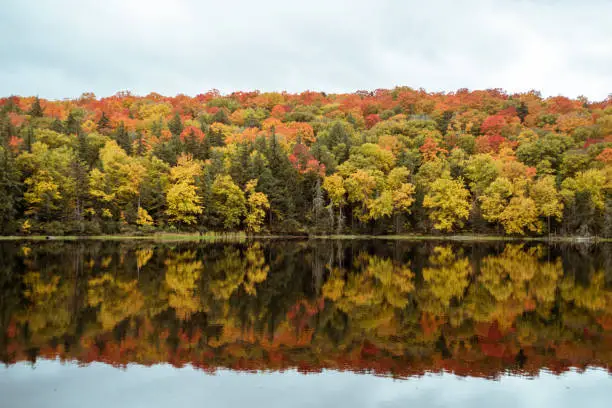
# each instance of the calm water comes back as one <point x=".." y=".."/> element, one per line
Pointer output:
<point x="305" y="323"/>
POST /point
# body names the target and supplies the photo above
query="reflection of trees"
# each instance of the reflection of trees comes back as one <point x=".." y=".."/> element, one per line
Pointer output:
<point x="234" y="270"/>
<point x="594" y="296"/>
<point x="118" y="299"/>
<point x="446" y="278"/>
<point x="389" y="308"/>
<point x="371" y="297"/>
<point x="183" y="273"/>
<point x="515" y="281"/>
<point x="48" y="312"/>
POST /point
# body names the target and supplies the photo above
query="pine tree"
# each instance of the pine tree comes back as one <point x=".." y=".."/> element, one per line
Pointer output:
<point x="79" y="173"/>
<point x="72" y="125"/>
<point x="57" y="126"/>
<point x="522" y="111"/>
<point x="175" y="125"/>
<point x="36" y="111"/>
<point x="104" y="125"/>
<point x="157" y="127"/>
<point x="141" y="149"/>
<point x="10" y="191"/>
<point x="221" y="117"/>
<point x="318" y="204"/>
<point x="29" y="139"/>
<point x="123" y="138"/>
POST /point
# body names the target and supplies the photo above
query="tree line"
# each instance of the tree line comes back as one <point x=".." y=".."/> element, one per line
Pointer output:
<point x="382" y="162"/>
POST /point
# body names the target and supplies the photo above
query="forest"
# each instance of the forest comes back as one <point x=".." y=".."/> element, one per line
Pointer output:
<point x="390" y="161"/>
<point x="398" y="309"/>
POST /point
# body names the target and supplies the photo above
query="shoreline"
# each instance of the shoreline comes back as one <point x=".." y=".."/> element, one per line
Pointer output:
<point x="190" y="237"/>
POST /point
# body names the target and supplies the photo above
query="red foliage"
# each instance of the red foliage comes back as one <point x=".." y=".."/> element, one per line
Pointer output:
<point x="16" y="119"/>
<point x="493" y="125"/>
<point x="490" y="144"/>
<point x="561" y="104"/>
<point x="590" y="142"/>
<point x="508" y="112"/>
<point x="371" y="120"/>
<point x="304" y="161"/>
<point x="279" y="111"/>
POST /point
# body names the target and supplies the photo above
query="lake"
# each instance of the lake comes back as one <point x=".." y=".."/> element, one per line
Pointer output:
<point x="305" y="323"/>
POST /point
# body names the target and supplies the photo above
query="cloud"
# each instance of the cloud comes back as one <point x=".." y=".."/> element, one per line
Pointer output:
<point x="62" y="48"/>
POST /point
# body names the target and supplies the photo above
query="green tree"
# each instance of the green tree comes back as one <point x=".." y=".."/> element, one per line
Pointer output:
<point x="122" y="137"/>
<point x="36" y="110"/>
<point x="175" y="125"/>
<point x="10" y="191"/>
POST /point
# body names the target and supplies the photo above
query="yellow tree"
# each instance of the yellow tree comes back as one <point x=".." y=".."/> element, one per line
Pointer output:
<point x="506" y="202"/>
<point x="448" y="201"/>
<point x="182" y="200"/>
<point x="334" y="186"/>
<point x="228" y="201"/>
<point x="257" y="205"/>
<point x="50" y="185"/>
<point x="521" y="213"/>
<point x="547" y="199"/>
<point x="402" y="192"/>
<point x="117" y="183"/>
<point x="361" y="187"/>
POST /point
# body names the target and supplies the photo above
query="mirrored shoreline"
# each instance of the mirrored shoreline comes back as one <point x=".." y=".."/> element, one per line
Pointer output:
<point x="392" y="309"/>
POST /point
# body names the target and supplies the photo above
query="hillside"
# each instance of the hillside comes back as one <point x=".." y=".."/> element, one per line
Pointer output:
<point x="388" y="161"/>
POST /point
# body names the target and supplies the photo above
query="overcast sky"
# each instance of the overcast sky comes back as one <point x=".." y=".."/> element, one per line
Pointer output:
<point x="62" y="48"/>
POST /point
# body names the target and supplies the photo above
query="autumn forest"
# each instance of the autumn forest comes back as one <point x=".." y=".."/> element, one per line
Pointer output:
<point x="398" y="161"/>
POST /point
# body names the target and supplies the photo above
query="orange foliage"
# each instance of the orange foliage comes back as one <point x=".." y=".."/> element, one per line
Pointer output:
<point x="431" y="150"/>
<point x="191" y="131"/>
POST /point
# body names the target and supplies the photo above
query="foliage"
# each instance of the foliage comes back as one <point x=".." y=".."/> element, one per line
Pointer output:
<point x="373" y="162"/>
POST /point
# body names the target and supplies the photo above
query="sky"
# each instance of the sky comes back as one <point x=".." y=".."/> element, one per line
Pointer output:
<point x="98" y="385"/>
<point x="61" y="48"/>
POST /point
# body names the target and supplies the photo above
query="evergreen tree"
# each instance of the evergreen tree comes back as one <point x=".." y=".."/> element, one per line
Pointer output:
<point x="71" y="125"/>
<point x="157" y="127"/>
<point x="522" y="111"/>
<point x="122" y="137"/>
<point x="57" y="126"/>
<point x="104" y="125"/>
<point x="193" y="145"/>
<point x="81" y="182"/>
<point x="175" y="125"/>
<point x="29" y="139"/>
<point x="221" y="117"/>
<point x="141" y="148"/>
<point x="36" y="111"/>
<point x="10" y="191"/>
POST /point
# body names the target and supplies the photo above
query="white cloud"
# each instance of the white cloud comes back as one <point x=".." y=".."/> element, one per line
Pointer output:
<point x="62" y="48"/>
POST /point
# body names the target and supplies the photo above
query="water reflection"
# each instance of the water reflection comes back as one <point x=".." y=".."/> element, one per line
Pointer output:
<point x="392" y="308"/>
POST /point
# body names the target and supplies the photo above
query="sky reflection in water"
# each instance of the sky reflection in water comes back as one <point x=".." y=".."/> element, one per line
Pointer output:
<point x="100" y="385"/>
